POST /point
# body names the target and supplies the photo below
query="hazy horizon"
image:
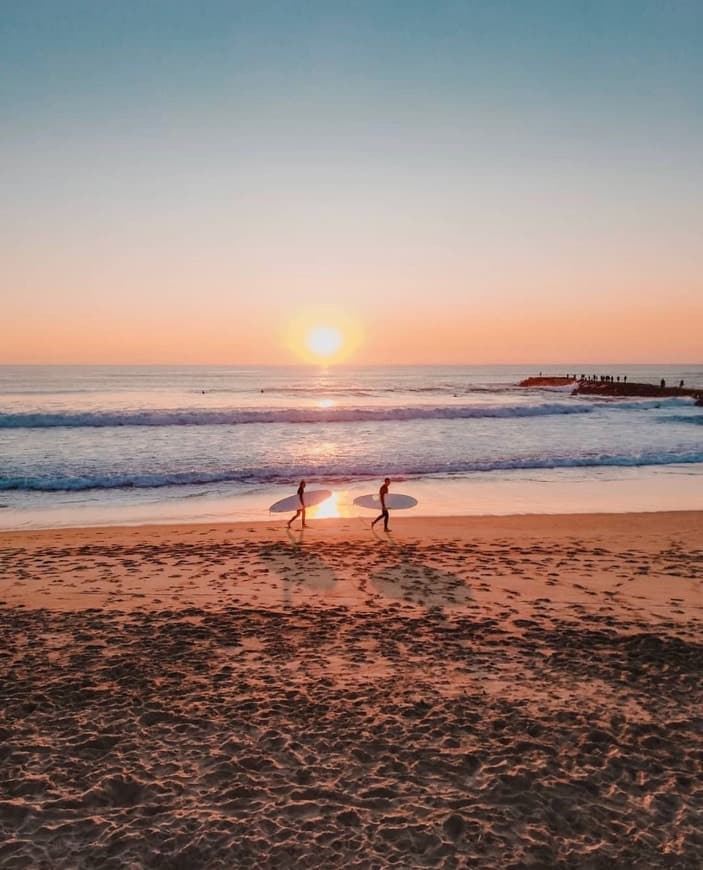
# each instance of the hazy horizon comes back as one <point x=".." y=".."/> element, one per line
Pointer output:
<point x="576" y="368"/>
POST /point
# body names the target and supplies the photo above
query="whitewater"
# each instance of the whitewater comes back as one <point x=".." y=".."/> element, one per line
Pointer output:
<point x="119" y="444"/>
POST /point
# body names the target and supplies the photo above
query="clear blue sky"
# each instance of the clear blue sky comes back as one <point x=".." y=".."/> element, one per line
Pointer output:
<point x="205" y="167"/>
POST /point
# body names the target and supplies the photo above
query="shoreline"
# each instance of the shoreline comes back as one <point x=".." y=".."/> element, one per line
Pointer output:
<point x="548" y="491"/>
<point x="278" y="521"/>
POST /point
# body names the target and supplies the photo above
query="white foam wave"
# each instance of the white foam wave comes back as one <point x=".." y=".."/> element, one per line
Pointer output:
<point x="617" y="404"/>
<point x="200" y="417"/>
<point x="335" y="475"/>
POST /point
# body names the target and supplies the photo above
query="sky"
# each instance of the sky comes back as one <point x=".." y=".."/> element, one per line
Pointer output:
<point x="462" y="182"/>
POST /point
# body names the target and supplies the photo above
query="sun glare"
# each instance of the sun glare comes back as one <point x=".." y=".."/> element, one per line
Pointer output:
<point x="324" y="341"/>
<point x="339" y="504"/>
<point x="323" y="335"/>
<point x="328" y="508"/>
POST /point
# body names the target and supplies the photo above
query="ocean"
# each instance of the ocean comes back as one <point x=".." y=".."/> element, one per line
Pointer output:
<point x="87" y="445"/>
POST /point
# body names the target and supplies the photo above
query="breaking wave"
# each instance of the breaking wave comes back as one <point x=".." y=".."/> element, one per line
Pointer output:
<point x="239" y="416"/>
<point x="334" y="475"/>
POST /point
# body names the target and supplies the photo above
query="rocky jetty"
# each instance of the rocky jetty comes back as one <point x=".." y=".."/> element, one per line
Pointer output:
<point x="548" y="382"/>
<point x="617" y="389"/>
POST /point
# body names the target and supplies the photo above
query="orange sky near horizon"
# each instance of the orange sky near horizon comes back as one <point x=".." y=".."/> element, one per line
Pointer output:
<point x="553" y="335"/>
<point x="469" y="183"/>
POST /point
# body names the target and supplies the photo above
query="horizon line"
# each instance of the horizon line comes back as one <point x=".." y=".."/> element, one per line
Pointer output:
<point x="342" y="365"/>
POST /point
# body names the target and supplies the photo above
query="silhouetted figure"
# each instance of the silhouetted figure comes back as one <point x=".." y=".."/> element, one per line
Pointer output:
<point x="624" y="379"/>
<point x="618" y="378"/>
<point x="301" y="509"/>
<point x="681" y="385"/>
<point x="662" y="384"/>
<point x="383" y="492"/>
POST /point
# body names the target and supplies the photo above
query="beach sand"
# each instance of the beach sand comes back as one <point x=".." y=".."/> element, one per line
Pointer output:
<point x="467" y="692"/>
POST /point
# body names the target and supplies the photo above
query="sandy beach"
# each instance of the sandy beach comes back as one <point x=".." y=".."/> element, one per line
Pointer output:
<point x="466" y="692"/>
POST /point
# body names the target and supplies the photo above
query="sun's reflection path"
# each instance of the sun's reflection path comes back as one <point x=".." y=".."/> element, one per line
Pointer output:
<point x="329" y="508"/>
<point x="339" y="505"/>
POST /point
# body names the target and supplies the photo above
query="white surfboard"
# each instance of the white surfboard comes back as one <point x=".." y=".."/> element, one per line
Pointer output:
<point x="292" y="502"/>
<point x="395" y="501"/>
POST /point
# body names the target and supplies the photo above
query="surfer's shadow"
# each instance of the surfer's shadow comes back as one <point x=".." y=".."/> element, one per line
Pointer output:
<point x="411" y="579"/>
<point x="297" y="566"/>
<point x="384" y="537"/>
<point x="296" y="538"/>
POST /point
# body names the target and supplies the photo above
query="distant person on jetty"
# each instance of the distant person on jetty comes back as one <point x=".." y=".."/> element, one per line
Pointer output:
<point x="382" y="493"/>
<point x="301" y="509"/>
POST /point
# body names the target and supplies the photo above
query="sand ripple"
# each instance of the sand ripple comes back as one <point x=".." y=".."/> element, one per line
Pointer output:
<point x="331" y="738"/>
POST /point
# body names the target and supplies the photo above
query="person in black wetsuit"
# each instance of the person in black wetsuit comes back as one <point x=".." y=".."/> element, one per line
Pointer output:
<point x="383" y="492"/>
<point x="301" y="509"/>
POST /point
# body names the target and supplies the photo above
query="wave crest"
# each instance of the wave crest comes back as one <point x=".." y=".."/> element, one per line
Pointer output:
<point x="237" y="417"/>
<point x="334" y="475"/>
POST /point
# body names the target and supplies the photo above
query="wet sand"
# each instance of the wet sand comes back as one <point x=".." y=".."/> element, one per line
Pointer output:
<point x="468" y="692"/>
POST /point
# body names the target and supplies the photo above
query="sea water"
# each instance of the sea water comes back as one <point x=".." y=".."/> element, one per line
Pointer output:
<point x="93" y="445"/>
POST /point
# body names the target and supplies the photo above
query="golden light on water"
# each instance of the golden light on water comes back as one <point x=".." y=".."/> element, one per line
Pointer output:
<point x="338" y="506"/>
<point x="325" y="403"/>
<point x="329" y="508"/>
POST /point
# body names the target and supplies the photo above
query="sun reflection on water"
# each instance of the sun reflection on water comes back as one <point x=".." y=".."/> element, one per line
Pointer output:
<point x="329" y="508"/>
<point x="337" y="506"/>
<point x="323" y="448"/>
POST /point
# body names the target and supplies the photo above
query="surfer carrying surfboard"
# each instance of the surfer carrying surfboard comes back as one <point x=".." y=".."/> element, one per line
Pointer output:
<point x="301" y="509"/>
<point x="382" y="493"/>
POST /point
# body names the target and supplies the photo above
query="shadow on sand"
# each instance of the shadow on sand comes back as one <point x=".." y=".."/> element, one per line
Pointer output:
<point x="297" y="565"/>
<point x="409" y="578"/>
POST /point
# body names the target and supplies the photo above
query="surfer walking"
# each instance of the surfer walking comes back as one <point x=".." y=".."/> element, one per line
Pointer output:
<point x="301" y="509"/>
<point x="382" y="493"/>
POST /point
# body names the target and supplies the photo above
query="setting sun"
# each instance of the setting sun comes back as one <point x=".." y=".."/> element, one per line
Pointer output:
<point x="324" y="335"/>
<point x="324" y="341"/>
